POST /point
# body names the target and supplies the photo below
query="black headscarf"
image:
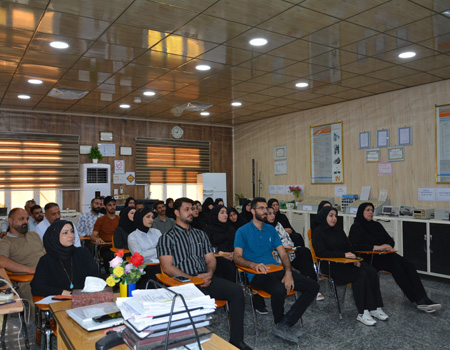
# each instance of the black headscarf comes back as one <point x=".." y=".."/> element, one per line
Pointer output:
<point x="220" y="234"/>
<point x="271" y="201"/>
<point x="170" y="212"/>
<point x="125" y="222"/>
<point x="216" y="202"/>
<point x="322" y="216"/>
<point x="321" y="204"/>
<point x="315" y="222"/>
<point x="370" y="226"/>
<point x="246" y="215"/>
<point x="52" y="244"/>
<point x="208" y="201"/>
<point x="214" y="216"/>
<point x="139" y="217"/>
<point x="240" y="221"/>
<point x="127" y="202"/>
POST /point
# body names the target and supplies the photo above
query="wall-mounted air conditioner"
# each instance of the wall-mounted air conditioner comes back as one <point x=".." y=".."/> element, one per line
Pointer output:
<point x="95" y="182"/>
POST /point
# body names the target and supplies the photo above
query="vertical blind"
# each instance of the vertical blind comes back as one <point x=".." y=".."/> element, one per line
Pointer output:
<point x="29" y="160"/>
<point x="170" y="161"/>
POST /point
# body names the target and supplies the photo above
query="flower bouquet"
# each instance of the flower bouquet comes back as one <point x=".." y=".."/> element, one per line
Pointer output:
<point x="295" y="190"/>
<point x="125" y="272"/>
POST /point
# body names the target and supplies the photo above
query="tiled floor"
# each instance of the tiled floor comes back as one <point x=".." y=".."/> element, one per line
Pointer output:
<point x="407" y="327"/>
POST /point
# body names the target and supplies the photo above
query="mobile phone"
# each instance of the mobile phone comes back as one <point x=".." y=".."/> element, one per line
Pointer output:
<point x="181" y="279"/>
<point x="107" y="317"/>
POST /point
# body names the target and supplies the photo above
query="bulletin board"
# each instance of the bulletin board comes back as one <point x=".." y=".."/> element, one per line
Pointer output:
<point x="327" y="162"/>
<point x="442" y="144"/>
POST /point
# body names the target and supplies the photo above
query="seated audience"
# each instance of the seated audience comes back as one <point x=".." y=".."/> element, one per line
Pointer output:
<point x="4" y="226"/>
<point x="329" y="241"/>
<point x="207" y="205"/>
<point x="87" y="220"/>
<point x="37" y="215"/>
<point x="218" y="201"/>
<point x="139" y="205"/>
<point x="253" y="248"/>
<point x="301" y="258"/>
<point x="129" y="202"/>
<point x="369" y="235"/>
<point x="235" y="219"/>
<point x="143" y="240"/>
<point x="125" y="227"/>
<point x="64" y="267"/>
<point x="169" y="208"/>
<point x="20" y="249"/>
<point x="246" y="213"/>
<point x="52" y="214"/>
<point x="198" y="222"/>
<point x="284" y="221"/>
<point x="162" y="222"/>
<point x="315" y="223"/>
<point x="28" y="205"/>
<point x="187" y="251"/>
<point x="102" y="205"/>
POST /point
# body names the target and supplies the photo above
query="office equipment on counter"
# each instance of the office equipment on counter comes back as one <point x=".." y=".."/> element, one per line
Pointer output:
<point x="84" y="316"/>
<point x="423" y="213"/>
<point x="406" y="211"/>
<point x="312" y="203"/>
<point x="347" y="199"/>
<point x="442" y="214"/>
<point x="377" y="204"/>
<point x="391" y="210"/>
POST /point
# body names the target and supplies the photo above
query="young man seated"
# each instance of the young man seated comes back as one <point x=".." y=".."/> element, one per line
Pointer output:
<point x="253" y="247"/>
<point x="186" y="251"/>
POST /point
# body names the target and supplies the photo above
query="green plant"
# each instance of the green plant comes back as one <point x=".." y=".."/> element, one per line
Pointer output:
<point x="95" y="153"/>
<point x="239" y="196"/>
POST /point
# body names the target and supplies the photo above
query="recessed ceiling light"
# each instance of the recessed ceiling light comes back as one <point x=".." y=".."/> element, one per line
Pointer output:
<point x="149" y="93"/>
<point x="407" y="54"/>
<point x="302" y="84"/>
<point x="125" y="105"/>
<point x="59" y="45"/>
<point x="446" y="13"/>
<point x="35" y="81"/>
<point x="24" y="97"/>
<point x="258" y="42"/>
<point x="236" y="104"/>
<point x="202" y="67"/>
<point x="205" y="114"/>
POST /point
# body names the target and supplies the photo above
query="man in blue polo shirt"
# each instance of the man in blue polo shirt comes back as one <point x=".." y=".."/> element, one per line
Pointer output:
<point x="253" y="247"/>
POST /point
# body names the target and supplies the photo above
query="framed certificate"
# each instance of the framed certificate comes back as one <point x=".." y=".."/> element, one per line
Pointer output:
<point x="364" y="139"/>
<point x="372" y="155"/>
<point x="383" y="138"/>
<point x="396" y="154"/>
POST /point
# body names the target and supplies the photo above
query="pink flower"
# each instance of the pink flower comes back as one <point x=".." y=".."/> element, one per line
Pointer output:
<point x="128" y="268"/>
<point x="142" y="270"/>
<point x="115" y="262"/>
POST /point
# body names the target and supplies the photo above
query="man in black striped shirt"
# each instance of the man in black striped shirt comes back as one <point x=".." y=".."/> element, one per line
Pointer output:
<point x="186" y="251"/>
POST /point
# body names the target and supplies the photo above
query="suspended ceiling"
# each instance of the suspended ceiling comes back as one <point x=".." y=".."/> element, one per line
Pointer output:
<point x="120" y="48"/>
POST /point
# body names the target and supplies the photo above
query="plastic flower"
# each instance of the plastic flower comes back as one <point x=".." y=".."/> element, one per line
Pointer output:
<point x="118" y="271"/>
<point x="110" y="281"/>
<point x="137" y="259"/>
<point x="120" y="253"/>
<point x="128" y="268"/>
<point x="115" y="262"/>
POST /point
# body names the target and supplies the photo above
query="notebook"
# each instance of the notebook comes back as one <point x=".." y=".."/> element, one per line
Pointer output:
<point x="84" y="316"/>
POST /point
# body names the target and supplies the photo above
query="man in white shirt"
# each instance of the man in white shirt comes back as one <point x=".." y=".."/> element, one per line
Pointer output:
<point x="52" y="213"/>
<point x="37" y="215"/>
<point x="87" y="220"/>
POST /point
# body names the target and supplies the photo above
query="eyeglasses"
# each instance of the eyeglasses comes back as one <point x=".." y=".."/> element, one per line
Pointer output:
<point x="262" y="208"/>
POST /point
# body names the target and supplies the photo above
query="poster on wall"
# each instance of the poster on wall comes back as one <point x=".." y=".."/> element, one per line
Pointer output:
<point x="326" y="154"/>
<point x="443" y="144"/>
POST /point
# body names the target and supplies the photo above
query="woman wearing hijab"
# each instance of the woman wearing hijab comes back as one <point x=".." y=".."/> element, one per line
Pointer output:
<point x="369" y="235"/>
<point x="126" y="226"/>
<point x="143" y="240"/>
<point x="329" y="241"/>
<point x="246" y="213"/>
<point x="197" y="222"/>
<point x="235" y="219"/>
<point x="170" y="213"/>
<point x="207" y="205"/>
<point x="221" y="235"/>
<point x="64" y="267"/>
<point x="315" y="223"/>
<point x="218" y="201"/>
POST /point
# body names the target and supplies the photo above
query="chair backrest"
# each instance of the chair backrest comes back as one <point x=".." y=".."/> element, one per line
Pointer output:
<point x="313" y="253"/>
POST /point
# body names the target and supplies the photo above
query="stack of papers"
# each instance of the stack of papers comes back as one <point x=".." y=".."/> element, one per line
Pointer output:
<point x="147" y="313"/>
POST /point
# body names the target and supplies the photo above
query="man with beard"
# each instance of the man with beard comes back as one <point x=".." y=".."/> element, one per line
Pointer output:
<point x="253" y="247"/>
<point x="52" y="213"/>
<point x="37" y="215"/>
<point x="20" y="249"/>
<point x="87" y="220"/>
<point x="186" y="251"/>
<point x="162" y="222"/>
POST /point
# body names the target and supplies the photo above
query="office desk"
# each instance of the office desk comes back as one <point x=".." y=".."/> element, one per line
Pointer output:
<point x="72" y="336"/>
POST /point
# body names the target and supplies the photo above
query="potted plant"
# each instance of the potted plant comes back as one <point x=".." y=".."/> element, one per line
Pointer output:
<point x="295" y="190"/>
<point x="95" y="154"/>
<point x="239" y="198"/>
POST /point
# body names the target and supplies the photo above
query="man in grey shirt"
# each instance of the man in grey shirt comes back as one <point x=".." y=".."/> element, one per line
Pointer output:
<point x="162" y="222"/>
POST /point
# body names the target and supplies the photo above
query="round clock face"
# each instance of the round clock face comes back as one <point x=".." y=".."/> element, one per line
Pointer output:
<point x="177" y="132"/>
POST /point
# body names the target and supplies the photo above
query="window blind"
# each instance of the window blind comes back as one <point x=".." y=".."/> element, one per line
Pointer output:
<point x="170" y="161"/>
<point x="30" y="160"/>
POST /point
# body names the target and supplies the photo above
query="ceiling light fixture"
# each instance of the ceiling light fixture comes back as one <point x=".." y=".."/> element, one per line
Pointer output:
<point x="124" y="105"/>
<point x="236" y="104"/>
<point x="59" y="45"/>
<point x="205" y="114"/>
<point x="35" y="81"/>
<point x="446" y="13"/>
<point x="258" y="42"/>
<point x="202" y="67"/>
<point x="302" y="84"/>
<point x="407" y="54"/>
<point x="149" y="93"/>
<point x="24" y="97"/>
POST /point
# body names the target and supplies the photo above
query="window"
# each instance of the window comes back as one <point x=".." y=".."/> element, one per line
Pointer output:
<point x="164" y="191"/>
<point x="18" y="198"/>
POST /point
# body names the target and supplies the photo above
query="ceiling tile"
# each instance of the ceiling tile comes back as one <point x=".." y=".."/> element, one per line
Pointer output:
<point x="227" y="55"/>
<point x="14" y="38"/>
<point x="55" y="60"/>
<point x="385" y="86"/>
<point x="443" y="72"/>
<point x="359" y="80"/>
<point x="123" y="35"/>
<point x="440" y="43"/>
<point x="341" y="9"/>
<point x="352" y="94"/>
<point x="300" y="50"/>
<point x="92" y="9"/>
<point x="431" y="62"/>
<point x="366" y="65"/>
<point x="41" y="71"/>
<point x="268" y="63"/>
<point x="16" y="16"/>
<point x="391" y="73"/>
<point x="41" y="42"/>
<point x="416" y="79"/>
<point x="434" y="5"/>
<point x="113" y="52"/>
<point x="183" y="46"/>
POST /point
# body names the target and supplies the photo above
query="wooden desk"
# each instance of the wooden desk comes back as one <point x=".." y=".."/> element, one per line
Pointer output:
<point x="70" y="335"/>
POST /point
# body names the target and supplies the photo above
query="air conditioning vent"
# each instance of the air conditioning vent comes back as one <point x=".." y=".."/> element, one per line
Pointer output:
<point x="97" y="176"/>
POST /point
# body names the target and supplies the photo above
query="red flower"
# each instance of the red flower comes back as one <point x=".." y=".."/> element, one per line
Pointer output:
<point x="137" y="259"/>
<point x="120" y="253"/>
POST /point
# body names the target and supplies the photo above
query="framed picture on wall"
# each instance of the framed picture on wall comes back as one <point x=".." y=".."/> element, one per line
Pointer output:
<point x="280" y="152"/>
<point x="373" y="155"/>
<point x="364" y="139"/>
<point x="396" y="154"/>
<point x="383" y="138"/>
<point x="405" y="136"/>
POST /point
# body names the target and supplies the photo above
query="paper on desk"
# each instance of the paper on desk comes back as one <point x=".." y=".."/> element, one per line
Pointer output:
<point x="48" y="300"/>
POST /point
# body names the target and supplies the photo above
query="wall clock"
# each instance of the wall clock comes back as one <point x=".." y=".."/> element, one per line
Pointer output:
<point x="177" y="132"/>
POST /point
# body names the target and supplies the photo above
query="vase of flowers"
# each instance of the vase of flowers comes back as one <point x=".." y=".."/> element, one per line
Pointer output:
<point x="295" y="190"/>
<point x="126" y="273"/>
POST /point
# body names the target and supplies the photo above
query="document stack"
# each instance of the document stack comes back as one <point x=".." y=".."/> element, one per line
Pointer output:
<point x="159" y="318"/>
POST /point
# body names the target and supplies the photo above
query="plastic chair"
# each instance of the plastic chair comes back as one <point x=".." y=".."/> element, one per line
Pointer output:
<point x="115" y="250"/>
<point x="45" y="324"/>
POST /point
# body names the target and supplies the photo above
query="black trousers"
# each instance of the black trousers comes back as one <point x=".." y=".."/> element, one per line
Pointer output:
<point x="404" y="273"/>
<point x="225" y="290"/>
<point x="365" y="283"/>
<point x="303" y="262"/>
<point x="271" y="283"/>
<point x="297" y="239"/>
<point x="225" y="269"/>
